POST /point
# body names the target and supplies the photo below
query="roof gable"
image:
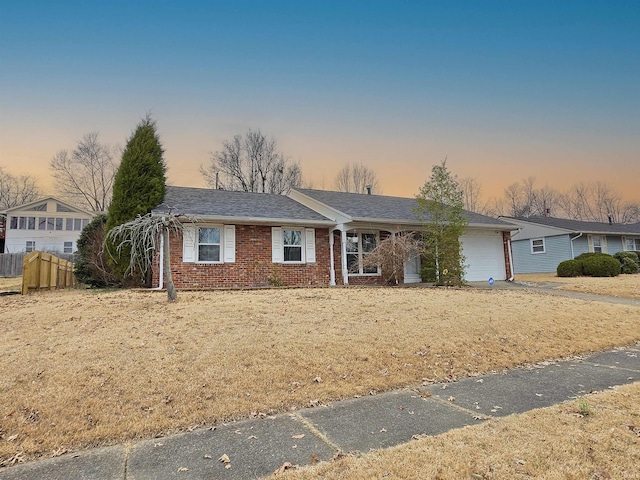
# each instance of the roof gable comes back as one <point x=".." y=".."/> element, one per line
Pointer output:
<point x="47" y="204"/>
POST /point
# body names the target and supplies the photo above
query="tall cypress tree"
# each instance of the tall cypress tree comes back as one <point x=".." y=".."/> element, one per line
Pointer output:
<point x="139" y="186"/>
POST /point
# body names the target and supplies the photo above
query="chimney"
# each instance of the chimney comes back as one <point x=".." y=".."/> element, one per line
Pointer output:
<point x="610" y="220"/>
<point x="368" y="189"/>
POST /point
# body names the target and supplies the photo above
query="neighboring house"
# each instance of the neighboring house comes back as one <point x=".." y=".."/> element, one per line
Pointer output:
<point x="541" y="243"/>
<point x="310" y="237"/>
<point x="49" y="225"/>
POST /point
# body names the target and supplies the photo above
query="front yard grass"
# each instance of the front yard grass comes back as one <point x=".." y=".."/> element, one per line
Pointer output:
<point x="89" y="368"/>
<point x="620" y="286"/>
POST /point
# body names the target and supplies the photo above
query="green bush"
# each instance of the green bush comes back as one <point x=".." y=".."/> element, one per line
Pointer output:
<point x="570" y="268"/>
<point x="601" y="265"/>
<point x="628" y="261"/>
<point x="584" y="256"/>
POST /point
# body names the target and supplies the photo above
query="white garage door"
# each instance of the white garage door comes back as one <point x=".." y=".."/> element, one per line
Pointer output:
<point x="484" y="256"/>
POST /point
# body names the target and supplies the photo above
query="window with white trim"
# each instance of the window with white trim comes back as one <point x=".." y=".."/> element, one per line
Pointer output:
<point x="68" y="247"/>
<point x="632" y="244"/>
<point x="358" y="246"/>
<point x="30" y="246"/>
<point x="208" y="244"/>
<point x="292" y="245"/>
<point x="596" y="242"/>
<point x="537" y="245"/>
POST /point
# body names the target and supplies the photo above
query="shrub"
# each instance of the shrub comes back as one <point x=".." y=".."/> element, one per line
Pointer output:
<point x="570" y="268"/>
<point x="90" y="266"/>
<point x="628" y="261"/>
<point x="584" y="256"/>
<point x="601" y="265"/>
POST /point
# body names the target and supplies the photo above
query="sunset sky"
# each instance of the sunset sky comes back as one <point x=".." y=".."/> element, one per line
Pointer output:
<point x="504" y="90"/>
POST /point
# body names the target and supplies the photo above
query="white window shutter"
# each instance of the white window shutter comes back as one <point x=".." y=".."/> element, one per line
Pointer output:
<point x="189" y="234"/>
<point x="310" y="245"/>
<point x="229" y="243"/>
<point x="603" y="242"/>
<point x="590" y="241"/>
<point x="276" y="245"/>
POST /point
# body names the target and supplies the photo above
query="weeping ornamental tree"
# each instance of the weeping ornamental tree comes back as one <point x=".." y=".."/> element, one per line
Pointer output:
<point x="139" y="238"/>
<point x="139" y="186"/>
<point x="440" y="210"/>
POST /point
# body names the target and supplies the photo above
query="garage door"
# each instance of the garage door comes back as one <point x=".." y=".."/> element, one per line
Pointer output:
<point x="484" y="256"/>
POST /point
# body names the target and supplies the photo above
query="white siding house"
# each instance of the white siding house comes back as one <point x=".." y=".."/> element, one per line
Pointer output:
<point x="49" y="225"/>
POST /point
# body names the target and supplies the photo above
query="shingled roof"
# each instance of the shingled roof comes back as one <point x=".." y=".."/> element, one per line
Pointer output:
<point x="224" y="205"/>
<point x="578" y="226"/>
<point x="381" y="208"/>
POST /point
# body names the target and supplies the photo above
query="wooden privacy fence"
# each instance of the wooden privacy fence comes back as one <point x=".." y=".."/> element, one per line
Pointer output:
<point x="11" y="264"/>
<point x="44" y="271"/>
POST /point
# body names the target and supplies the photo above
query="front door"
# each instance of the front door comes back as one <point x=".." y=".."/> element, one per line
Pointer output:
<point x="412" y="269"/>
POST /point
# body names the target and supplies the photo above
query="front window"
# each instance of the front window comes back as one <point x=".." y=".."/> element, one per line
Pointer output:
<point x="31" y="223"/>
<point x="77" y="224"/>
<point x="30" y="246"/>
<point x="632" y="244"/>
<point x="59" y="223"/>
<point x="537" y="245"/>
<point x="42" y="223"/>
<point x="68" y="247"/>
<point x="597" y="243"/>
<point x="209" y="244"/>
<point x="69" y="224"/>
<point x="359" y="245"/>
<point x="292" y="241"/>
<point x="13" y="225"/>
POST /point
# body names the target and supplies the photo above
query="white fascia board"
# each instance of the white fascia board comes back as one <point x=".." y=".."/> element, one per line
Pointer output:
<point x="25" y="206"/>
<point x="337" y="216"/>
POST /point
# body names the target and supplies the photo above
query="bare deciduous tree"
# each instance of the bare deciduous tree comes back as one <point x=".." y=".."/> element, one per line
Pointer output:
<point x="472" y="195"/>
<point x="85" y="175"/>
<point x="598" y="202"/>
<point x="252" y="163"/>
<point x="357" y="179"/>
<point x="16" y="190"/>
<point x="391" y="254"/>
<point x="141" y="237"/>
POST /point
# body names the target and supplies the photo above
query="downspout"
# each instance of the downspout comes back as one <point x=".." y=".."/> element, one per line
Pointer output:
<point x="510" y="258"/>
<point x="571" y="242"/>
<point x="161" y="265"/>
<point x="332" y="267"/>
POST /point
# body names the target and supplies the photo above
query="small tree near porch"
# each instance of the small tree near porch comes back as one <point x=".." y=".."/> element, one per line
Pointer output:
<point x="139" y="238"/>
<point x="391" y="254"/>
<point x="440" y="210"/>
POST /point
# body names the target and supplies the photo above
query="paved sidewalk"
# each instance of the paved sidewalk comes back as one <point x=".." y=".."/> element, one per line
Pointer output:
<point x="258" y="447"/>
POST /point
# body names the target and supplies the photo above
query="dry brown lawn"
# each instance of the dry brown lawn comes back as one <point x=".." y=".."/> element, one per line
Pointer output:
<point x="551" y="443"/>
<point x="620" y="286"/>
<point x="88" y="368"/>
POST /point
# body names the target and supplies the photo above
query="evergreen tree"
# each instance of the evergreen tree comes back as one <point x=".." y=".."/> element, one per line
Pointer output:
<point x="440" y="209"/>
<point x="90" y="265"/>
<point x="139" y="186"/>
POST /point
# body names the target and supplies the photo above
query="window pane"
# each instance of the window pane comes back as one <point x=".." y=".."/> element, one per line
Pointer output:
<point x="352" y="243"/>
<point x="629" y="244"/>
<point x="352" y="263"/>
<point x="59" y="223"/>
<point x="85" y="222"/>
<point x="31" y="223"/>
<point x="292" y="254"/>
<point x="370" y="270"/>
<point x="69" y="224"/>
<point x="22" y="225"/>
<point x="50" y="223"/>
<point x="368" y="242"/>
<point x="292" y="237"/>
<point x="209" y="253"/>
<point x="209" y="235"/>
<point x="68" y="247"/>
<point x="30" y="246"/>
<point x="42" y="223"/>
<point x="14" y="223"/>
<point x="77" y="224"/>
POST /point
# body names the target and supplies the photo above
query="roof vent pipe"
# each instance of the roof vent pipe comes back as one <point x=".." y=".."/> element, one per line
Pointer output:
<point x="610" y="220"/>
<point x="368" y="189"/>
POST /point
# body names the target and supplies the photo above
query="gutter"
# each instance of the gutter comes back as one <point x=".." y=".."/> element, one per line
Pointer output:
<point x="510" y="259"/>
<point x="571" y="242"/>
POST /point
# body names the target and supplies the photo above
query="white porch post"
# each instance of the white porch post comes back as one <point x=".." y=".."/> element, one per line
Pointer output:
<point x="343" y="250"/>
<point x="332" y="268"/>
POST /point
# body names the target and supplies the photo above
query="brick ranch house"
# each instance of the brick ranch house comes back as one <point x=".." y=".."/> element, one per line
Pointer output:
<point x="308" y="238"/>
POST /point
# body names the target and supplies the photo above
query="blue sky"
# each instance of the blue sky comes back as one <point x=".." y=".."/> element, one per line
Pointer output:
<point x="505" y="90"/>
